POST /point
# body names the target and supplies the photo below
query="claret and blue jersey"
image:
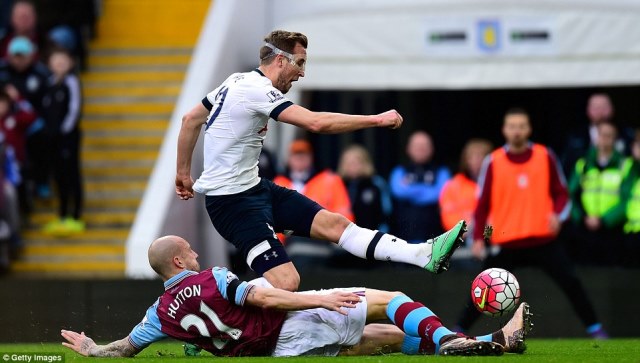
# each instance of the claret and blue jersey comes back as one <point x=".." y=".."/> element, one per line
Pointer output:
<point x="207" y="309"/>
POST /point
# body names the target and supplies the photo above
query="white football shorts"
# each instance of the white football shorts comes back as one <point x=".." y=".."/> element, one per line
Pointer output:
<point x="320" y="331"/>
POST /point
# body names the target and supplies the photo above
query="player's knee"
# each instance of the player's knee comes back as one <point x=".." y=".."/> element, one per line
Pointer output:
<point x="284" y="277"/>
<point x="291" y="283"/>
<point x="329" y="226"/>
<point x="390" y="295"/>
<point x="341" y="222"/>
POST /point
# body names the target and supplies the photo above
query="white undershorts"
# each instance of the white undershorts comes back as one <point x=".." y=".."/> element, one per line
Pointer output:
<point x="320" y="331"/>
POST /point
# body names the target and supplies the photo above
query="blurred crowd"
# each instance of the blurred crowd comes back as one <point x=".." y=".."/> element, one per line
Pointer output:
<point x="42" y="49"/>
<point x="598" y="174"/>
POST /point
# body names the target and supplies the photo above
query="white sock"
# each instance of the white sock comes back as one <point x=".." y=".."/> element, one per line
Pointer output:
<point x="357" y="241"/>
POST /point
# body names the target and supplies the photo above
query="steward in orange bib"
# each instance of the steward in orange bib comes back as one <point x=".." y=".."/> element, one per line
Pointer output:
<point x="523" y="195"/>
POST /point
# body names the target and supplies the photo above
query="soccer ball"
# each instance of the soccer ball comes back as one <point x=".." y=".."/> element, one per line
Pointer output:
<point x="495" y="292"/>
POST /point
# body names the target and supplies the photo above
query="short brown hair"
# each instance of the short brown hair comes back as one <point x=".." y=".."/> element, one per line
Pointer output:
<point x="485" y="147"/>
<point x="283" y="40"/>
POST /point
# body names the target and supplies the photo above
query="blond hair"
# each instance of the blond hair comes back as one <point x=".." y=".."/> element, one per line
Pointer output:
<point x="485" y="147"/>
<point x="361" y="154"/>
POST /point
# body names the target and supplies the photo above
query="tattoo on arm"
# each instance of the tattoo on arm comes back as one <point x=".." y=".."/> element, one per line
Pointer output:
<point x="119" y="348"/>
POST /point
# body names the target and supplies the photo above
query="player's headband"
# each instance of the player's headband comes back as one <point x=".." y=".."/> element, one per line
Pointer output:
<point x="275" y="51"/>
<point x="294" y="59"/>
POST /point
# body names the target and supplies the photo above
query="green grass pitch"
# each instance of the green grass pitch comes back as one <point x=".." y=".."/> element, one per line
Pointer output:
<point x="539" y="350"/>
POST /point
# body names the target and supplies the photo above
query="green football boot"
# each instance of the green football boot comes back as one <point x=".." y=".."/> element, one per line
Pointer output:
<point x="443" y="247"/>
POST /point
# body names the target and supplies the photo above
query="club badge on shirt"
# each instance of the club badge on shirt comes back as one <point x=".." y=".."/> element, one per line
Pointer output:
<point x="523" y="181"/>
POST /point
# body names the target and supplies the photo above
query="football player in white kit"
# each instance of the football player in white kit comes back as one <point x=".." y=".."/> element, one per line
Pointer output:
<point x="247" y="210"/>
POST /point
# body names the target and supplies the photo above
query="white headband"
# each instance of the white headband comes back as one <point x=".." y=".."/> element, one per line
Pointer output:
<point x="275" y="50"/>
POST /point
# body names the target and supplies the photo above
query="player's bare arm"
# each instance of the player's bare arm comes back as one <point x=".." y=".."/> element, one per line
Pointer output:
<point x="333" y="123"/>
<point x="88" y="348"/>
<point x="271" y="298"/>
<point x="192" y="122"/>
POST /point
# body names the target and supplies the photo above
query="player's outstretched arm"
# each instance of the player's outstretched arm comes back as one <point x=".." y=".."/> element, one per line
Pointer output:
<point x="88" y="348"/>
<point x="272" y="298"/>
<point x="333" y="123"/>
<point x="192" y="122"/>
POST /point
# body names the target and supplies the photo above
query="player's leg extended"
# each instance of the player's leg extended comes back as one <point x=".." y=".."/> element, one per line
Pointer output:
<point x="295" y="212"/>
<point x="513" y="333"/>
<point x="425" y="333"/>
<point x="432" y="255"/>
<point x="377" y="339"/>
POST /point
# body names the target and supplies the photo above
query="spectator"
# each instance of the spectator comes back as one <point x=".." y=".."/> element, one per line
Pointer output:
<point x="460" y="195"/>
<point x="368" y="192"/>
<point x="416" y="188"/>
<point x="599" y="109"/>
<point x="631" y="252"/>
<point x="63" y="36"/>
<point x="524" y="196"/>
<point x="70" y="24"/>
<point x="10" y="241"/>
<point x="9" y="215"/>
<point x="323" y="187"/>
<point x="29" y="77"/>
<point x="595" y="188"/>
<point x="23" y="23"/>
<point x="370" y="201"/>
<point x="62" y="114"/>
<point x="10" y="178"/>
<point x="16" y="115"/>
<point x="23" y="70"/>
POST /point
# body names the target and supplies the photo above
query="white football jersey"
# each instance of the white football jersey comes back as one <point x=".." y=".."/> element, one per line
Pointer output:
<point x="240" y="109"/>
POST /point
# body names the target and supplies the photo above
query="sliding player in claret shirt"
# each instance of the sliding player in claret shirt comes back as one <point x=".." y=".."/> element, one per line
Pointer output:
<point x="217" y="312"/>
